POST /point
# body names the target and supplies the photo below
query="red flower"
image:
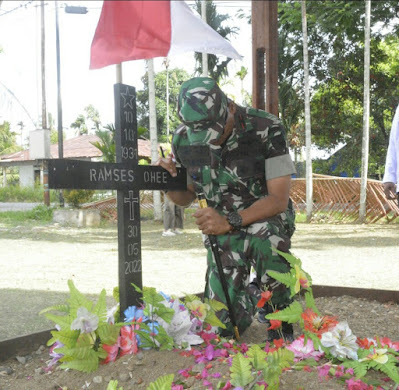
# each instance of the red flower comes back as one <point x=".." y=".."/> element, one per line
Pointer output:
<point x="265" y="297"/>
<point x="112" y="352"/>
<point x="128" y="341"/>
<point x="274" y="324"/>
<point x="364" y="343"/>
<point x="317" y="324"/>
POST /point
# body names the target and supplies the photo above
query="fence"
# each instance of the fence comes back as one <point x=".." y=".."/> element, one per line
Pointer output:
<point x="335" y="199"/>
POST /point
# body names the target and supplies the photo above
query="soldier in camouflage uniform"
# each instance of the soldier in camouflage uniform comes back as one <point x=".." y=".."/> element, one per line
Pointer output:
<point x="238" y="158"/>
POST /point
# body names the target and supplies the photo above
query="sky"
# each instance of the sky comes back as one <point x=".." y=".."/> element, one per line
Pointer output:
<point x="20" y="65"/>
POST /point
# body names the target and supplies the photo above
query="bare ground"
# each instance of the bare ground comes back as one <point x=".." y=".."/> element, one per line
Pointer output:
<point x="36" y="263"/>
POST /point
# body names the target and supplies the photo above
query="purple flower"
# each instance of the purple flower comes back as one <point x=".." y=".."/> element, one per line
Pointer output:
<point x="86" y="322"/>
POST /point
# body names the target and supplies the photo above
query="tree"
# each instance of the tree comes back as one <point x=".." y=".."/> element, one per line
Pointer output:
<point x="93" y="115"/>
<point x="80" y="125"/>
<point x="107" y="143"/>
<point x="176" y="78"/>
<point x="8" y="143"/>
<point x="217" y="68"/>
<point x="241" y="74"/>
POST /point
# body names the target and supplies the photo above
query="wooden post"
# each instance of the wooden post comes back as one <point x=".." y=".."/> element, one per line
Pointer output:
<point x="265" y="56"/>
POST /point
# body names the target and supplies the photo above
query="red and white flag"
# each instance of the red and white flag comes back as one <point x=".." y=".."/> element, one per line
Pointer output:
<point x="134" y="30"/>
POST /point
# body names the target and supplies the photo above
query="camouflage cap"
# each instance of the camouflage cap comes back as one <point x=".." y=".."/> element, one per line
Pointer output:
<point x="202" y="106"/>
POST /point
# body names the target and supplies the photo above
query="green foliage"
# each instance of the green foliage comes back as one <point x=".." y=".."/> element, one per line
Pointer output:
<point x="162" y="383"/>
<point x="107" y="143"/>
<point x="81" y="351"/>
<point x="8" y="143"/>
<point x="77" y="197"/>
<point x="176" y="78"/>
<point x="276" y="362"/>
<point x="257" y="357"/>
<point x="241" y="371"/>
<point x="113" y="385"/>
<point x="290" y="314"/>
<point x="12" y="193"/>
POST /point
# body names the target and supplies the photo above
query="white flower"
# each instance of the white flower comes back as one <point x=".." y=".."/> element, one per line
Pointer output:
<point x="86" y="322"/>
<point x="111" y="314"/>
<point x="341" y="341"/>
<point x="179" y="327"/>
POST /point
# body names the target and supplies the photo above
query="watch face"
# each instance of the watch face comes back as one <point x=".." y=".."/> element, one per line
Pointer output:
<point x="235" y="220"/>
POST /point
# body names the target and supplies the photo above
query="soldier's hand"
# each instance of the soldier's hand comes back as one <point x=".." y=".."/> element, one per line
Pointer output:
<point x="168" y="163"/>
<point x="389" y="189"/>
<point x="209" y="221"/>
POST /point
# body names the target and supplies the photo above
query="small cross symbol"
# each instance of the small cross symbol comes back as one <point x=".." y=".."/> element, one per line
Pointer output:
<point x="131" y="202"/>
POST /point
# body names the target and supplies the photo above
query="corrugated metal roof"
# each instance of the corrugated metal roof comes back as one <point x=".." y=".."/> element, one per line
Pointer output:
<point x="78" y="147"/>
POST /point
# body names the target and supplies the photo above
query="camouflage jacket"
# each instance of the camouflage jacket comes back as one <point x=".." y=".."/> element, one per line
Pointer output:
<point x="234" y="176"/>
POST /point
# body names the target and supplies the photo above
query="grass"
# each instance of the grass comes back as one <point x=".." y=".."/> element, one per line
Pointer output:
<point x="41" y="214"/>
<point x="25" y="194"/>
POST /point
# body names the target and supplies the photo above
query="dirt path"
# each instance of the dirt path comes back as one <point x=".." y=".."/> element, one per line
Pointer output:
<point x="36" y="263"/>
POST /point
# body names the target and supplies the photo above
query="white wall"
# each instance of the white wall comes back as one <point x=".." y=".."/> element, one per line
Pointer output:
<point x="26" y="176"/>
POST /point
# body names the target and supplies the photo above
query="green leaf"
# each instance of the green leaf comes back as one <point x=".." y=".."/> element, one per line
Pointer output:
<point x="290" y="314"/>
<point x="241" y="373"/>
<point x="66" y="336"/>
<point x="64" y="322"/>
<point x="389" y="368"/>
<point x="191" y="298"/>
<point x="162" y="383"/>
<point x="276" y="362"/>
<point x="100" y="309"/>
<point x="212" y="319"/>
<point x="108" y="333"/>
<point x="165" y="341"/>
<point x="165" y="313"/>
<point x="77" y="300"/>
<point x="287" y="279"/>
<point x="89" y="364"/>
<point x="63" y="308"/>
<point x="258" y="357"/>
<point x="310" y="302"/>
<point x="290" y="258"/>
<point x="113" y="385"/>
<point x="215" y="305"/>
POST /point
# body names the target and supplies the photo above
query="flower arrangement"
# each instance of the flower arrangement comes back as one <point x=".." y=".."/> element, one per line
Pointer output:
<point x="89" y="334"/>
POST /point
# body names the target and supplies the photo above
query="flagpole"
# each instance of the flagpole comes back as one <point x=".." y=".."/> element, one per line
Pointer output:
<point x="204" y="55"/>
<point x="119" y="73"/>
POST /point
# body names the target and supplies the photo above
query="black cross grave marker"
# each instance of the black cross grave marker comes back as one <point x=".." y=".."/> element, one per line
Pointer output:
<point x="125" y="176"/>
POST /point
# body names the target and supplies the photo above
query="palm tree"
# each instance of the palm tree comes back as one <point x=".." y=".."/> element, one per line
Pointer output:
<point x="80" y="125"/>
<point x="107" y="143"/>
<point x="241" y="74"/>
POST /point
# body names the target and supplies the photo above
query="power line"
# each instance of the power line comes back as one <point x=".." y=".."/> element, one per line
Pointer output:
<point x="25" y="4"/>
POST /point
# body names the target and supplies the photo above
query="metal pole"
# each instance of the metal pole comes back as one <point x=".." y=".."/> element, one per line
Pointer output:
<point x="167" y="99"/>
<point x="204" y="55"/>
<point x="43" y="63"/>
<point x="118" y="73"/>
<point x="59" y="101"/>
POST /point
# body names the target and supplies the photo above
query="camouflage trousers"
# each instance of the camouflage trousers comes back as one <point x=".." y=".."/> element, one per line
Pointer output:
<point x="252" y="247"/>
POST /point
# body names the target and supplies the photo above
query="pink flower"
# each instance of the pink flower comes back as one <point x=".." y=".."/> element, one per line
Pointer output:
<point x="302" y="351"/>
<point x="127" y="341"/>
<point x="357" y="385"/>
<point x="112" y="351"/>
<point x="386" y="342"/>
<point x="323" y="371"/>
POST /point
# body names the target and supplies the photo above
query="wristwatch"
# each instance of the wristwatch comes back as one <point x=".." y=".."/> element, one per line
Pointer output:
<point x="235" y="220"/>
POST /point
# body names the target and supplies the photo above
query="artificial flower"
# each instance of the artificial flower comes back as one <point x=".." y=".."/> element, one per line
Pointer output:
<point x="198" y="309"/>
<point x="274" y="324"/>
<point x="304" y="351"/>
<point x="365" y="343"/>
<point x="357" y="385"/>
<point x="301" y="279"/>
<point x="318" y="324"/>
<point x="132" y="313"/>
<point x="323" y="371"/>
<point x="86" y="322"/>
<point x="341" y="341"/>
<point x="265" y="297"/>
<point x="112" y="352"/>
<point x="127" y="341"/>
<point x="180" y="326"/>
<point x="55" y="355"/>
<point x="111" y="314"/>
<point x="386" y="342"/>
<point x="378" y="355"/>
